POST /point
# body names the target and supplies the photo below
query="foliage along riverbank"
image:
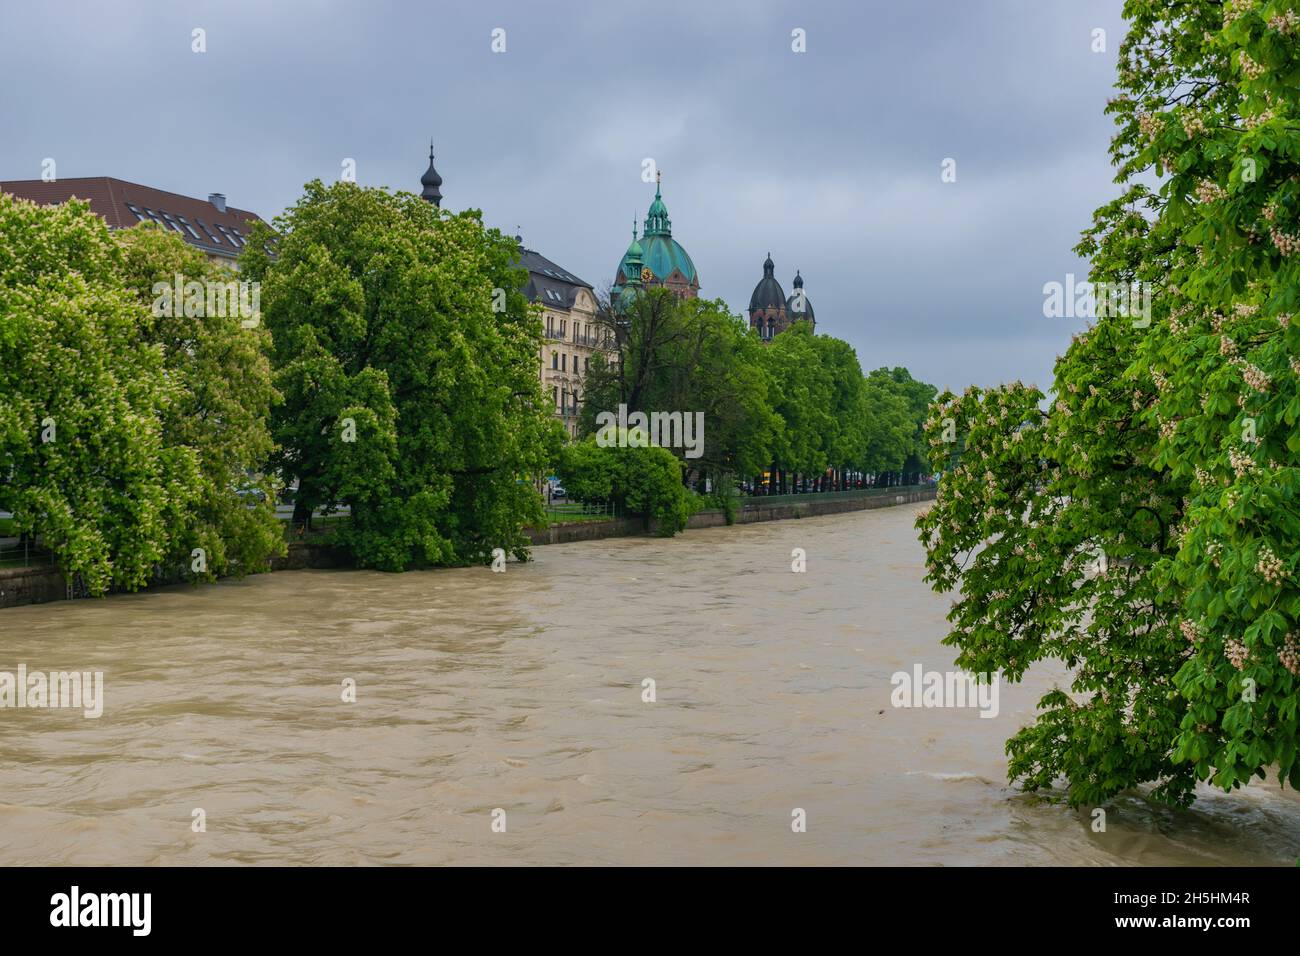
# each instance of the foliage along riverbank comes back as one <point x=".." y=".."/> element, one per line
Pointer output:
<point x="1169" y="453"/>
<point x="39" y="585"/>
<point x="391" y="370"/>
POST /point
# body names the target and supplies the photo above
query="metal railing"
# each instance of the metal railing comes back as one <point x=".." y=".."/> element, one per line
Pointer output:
<point x="24" y="553"/>
<point x="885" y="492"/>
<point x="560" y="511"/>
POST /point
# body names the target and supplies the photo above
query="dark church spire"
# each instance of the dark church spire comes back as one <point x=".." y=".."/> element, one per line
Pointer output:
<point x="431" y="181"/>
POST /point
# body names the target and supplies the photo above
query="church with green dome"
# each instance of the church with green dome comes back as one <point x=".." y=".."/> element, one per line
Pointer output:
<point x="656" y="259"/>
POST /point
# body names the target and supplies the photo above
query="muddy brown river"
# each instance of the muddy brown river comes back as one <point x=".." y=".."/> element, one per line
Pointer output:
<point x="523" y="692"/>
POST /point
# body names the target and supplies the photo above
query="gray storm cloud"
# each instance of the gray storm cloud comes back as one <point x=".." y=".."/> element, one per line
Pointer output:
<point x="829" y="159"/>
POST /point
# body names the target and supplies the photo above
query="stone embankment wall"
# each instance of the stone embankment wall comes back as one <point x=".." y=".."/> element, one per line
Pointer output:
<point x="787" y="506"/>
<point x="38" y="585"/>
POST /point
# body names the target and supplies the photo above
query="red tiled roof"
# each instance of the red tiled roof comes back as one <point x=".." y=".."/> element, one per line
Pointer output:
<point x="112" y="199"/>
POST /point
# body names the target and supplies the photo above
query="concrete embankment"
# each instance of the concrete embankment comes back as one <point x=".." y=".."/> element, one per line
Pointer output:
<point x="38" y="585"/>
<point x="777" y="508"/>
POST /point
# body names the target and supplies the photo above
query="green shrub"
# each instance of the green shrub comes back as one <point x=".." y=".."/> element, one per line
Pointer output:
<point x="644" y="481"/>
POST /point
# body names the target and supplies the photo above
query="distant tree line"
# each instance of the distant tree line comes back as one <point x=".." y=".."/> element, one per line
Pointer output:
<point x="793" y="414"/>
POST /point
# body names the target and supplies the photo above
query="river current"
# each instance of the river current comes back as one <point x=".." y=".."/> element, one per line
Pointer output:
<point x="524" y="692"/>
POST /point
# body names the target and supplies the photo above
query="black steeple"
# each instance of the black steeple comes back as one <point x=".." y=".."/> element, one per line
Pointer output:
<point x="768" y="294"/>
<point x="431" y="181"/>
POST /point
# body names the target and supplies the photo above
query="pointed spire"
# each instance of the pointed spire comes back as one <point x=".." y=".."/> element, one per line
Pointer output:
<point x="657" y="222"/>
<point x="431" y="181"/>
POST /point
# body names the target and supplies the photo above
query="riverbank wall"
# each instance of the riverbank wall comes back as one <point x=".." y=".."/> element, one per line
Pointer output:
<point x="39" y="585"/>
<point x="776" y="508"/>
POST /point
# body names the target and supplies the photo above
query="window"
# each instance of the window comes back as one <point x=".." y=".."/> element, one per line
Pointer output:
<point x="167" y="217"/>
<point x="586" y="366"/>
<point x="564" y="365"/>
<point x="210" y="233"/>
<point x="189" y="228"/>
<point x="139" y="216"/>
<point x="555" y="360"/>
<point x="232" y="235"/>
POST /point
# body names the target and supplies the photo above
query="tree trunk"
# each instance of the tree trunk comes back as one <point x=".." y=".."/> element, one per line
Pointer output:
<point x="301" y="514"/>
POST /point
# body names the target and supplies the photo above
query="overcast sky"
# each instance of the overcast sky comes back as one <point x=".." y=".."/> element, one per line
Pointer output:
<point x="830" y="159"/>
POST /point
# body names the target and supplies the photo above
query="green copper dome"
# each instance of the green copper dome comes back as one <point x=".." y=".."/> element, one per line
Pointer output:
<point x="663" y="254"/>
<point x="634" y="251"/>
<point x="629" y="270"/>
<point x="656" y="251"/>
<point x="625" y="298"/>
<point x="660" y="251"/>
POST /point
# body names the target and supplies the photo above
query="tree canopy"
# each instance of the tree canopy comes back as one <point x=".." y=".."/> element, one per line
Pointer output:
<point x="217" y="356"/>
<point x="1143" y="528"/>
<point x="127" y="431"/>
<point x="799" y="403"/>
<point x="407" y="356"/>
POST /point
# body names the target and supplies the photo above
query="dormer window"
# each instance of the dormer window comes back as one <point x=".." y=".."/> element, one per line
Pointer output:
<point x="210" y="233"/>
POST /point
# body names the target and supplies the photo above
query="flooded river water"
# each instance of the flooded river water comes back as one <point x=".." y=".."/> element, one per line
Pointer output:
<point x="523" y="692"/>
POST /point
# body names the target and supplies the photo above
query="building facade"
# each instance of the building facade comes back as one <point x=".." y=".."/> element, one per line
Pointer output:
<point x="220" y="231"/>
<point x="771" y="312"/>
<point x="571" y="336"/>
